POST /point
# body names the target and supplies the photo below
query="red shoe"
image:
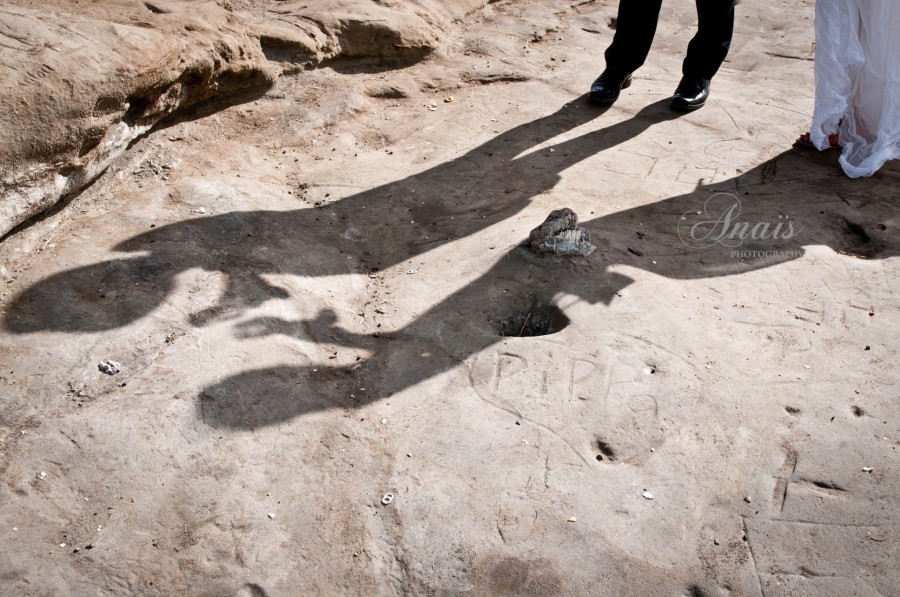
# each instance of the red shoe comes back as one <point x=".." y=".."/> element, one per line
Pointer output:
<point x="805" y="142"/>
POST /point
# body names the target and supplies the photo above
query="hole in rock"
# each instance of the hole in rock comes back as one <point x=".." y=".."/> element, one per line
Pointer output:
<point x="535" y="320"/>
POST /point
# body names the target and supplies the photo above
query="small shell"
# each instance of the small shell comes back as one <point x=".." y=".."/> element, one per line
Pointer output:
<point x="647" y="495"/>
<point x="571" y="519"/>
<point x="110" y="367"/>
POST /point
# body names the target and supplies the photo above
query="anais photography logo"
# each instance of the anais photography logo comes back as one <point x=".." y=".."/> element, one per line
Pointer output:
<point x="720" y="223"/>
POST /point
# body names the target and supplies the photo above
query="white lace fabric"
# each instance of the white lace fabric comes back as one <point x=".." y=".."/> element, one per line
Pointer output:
<point x="857" y="72"/>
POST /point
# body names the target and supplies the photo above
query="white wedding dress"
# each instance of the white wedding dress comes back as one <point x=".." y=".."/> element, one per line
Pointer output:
<point x="857" y="73"/>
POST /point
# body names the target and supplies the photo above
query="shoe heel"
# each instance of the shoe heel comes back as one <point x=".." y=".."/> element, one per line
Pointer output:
<point x="627" y="83"/>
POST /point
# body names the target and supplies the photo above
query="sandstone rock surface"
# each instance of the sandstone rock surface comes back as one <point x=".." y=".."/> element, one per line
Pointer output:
<point x="321" y="296"/>
<point x="82" y="81"/>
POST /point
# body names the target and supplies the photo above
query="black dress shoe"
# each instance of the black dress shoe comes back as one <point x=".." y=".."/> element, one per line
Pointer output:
<point x="691" y="94"/>
<point x="606" y="88"/>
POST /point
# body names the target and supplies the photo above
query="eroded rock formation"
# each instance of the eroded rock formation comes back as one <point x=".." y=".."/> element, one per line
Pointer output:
<point x="80" y="82"/>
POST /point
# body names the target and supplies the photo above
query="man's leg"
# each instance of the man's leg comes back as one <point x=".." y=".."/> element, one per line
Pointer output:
<point x="710" y="46"/>
<point x="635" y="28"/>
<point x="705" y="53"/>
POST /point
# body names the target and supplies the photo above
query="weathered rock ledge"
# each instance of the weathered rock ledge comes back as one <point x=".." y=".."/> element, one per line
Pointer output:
<point x="80" y="82"/>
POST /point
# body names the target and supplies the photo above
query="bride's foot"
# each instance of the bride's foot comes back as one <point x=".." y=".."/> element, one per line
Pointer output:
<point x="805" y="142"/>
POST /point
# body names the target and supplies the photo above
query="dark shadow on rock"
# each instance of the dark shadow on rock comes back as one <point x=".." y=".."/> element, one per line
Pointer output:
<point x="436" y="341"/>
<point x="405" y="218"/>
<point x="465" y="323"/>
<point x="676" y="238"/>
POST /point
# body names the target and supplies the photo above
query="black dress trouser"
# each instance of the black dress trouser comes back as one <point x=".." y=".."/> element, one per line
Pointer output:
<point x="636" y="25"/>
